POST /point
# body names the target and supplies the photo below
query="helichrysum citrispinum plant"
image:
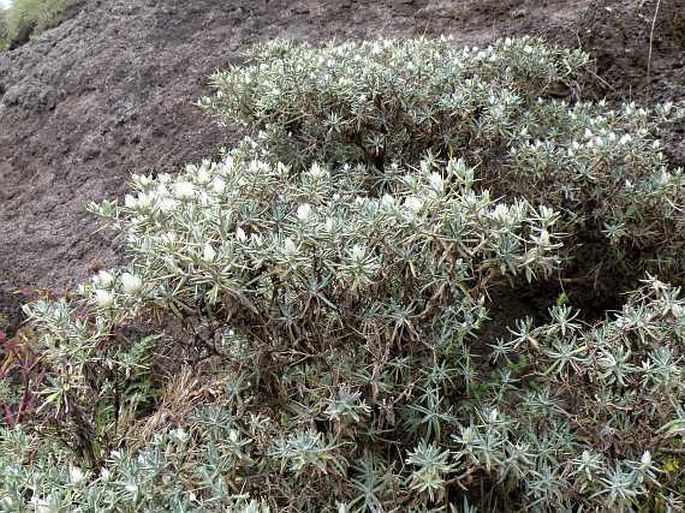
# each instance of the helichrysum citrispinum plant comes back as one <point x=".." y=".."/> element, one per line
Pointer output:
<point x="383" y="102"/>
<point x="306" y="324"/>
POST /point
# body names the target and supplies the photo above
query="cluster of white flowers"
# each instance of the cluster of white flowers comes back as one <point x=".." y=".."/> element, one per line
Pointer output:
<point x="105" y="286"/>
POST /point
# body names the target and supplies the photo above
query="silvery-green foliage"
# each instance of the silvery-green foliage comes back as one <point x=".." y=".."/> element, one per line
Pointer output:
<point x="97" y="374"/>
<point x="588" y="407"/>
<point x="379" y="101"/>
<point x="320" y="246"/>
<point x="330" y="281"/>
<point x="174" y="472"/>
<point x="389" y="101"/>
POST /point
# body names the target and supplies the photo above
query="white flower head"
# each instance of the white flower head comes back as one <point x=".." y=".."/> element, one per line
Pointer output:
<point x="40" y="505"/>
<point x="387" y="201"/>
<point x="180" y="435"/>
<point x="436" y="182"/>
<point x="218" y="184"/>
<point x="358" y="252"/>
<point x="103" y="279"/>
<point x="130" y="201"/>
<point x="303" y="211"/>
<point x="414" y="203"/>
<point x="76" y="475"/>
<point x="543" y="238"/>
<point x="184" y="190"/>
<point x="500" y="212"/>
<point x="146" y="199"/>
<point x="202" y="176"/>
<point x="104" y="298"/>
<point x="289" y="246"/>
<point x="131" y="284"/>
<point x="316" y="171"/>
<point x="208" y="253"/>
<point x="167" y="205"/>
<point x="240" y="234"/>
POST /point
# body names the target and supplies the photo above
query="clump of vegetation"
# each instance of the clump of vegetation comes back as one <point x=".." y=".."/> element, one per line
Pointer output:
<point x="380" y="104"/>
<point x="308" y="323"/>
<point x="27" y="18"/>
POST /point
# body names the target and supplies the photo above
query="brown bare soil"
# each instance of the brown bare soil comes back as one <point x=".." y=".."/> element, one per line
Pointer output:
<point x="111" y="90"/>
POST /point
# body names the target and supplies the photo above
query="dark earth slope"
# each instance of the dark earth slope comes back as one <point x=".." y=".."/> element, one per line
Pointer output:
<point x="111" y="90"/>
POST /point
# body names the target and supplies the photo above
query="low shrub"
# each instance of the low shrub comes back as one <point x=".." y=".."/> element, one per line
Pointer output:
<point x="301" y="327"/>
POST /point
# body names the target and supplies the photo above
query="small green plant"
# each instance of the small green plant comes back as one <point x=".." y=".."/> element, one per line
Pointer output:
<point x="26" y="18"/>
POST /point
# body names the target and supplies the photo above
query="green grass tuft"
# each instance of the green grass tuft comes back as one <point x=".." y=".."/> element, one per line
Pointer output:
<point x="28" y="18"/>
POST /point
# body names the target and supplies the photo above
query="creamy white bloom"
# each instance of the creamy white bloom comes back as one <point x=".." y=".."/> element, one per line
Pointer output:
<point x="387" y="201"/>
<point x="184" y="190"/>
<point x="358" y="252"/>
<point x="208" y="253"/>
<point x="203" y="198"/>
<point x="303" y="211"/>
<point x="167" y="205"/>
<point x="436" y="181"/>
<point x="240" y="234"/>
<point x="146" y="199"/>
<point x="625" y="139"/>
<point x="104" y="298"/>
<point x="103" y="279"/>
<point x="130" y="201"/>
<point x="328" y="225"/>
<point x="180" y="434"/>
<point x="131" y="284"/>
<point x="646" y="458"/>
<point x="543" y="238"/>
<point x="289" y="246"/>
<point x="316" y="171"/>
<point x="218" y="184"/>
<point x="202" y="176"/>
<point x="40" y="505"/>
<point x="414" y="203"/>
<point x="500" y="212"/>
<point x="76" y="475"/>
